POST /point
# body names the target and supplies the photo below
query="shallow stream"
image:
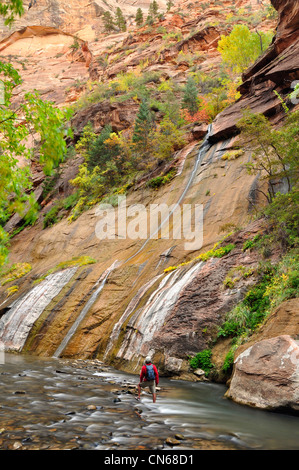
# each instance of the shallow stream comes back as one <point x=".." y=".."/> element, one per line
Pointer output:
<point x="77" y="404"/>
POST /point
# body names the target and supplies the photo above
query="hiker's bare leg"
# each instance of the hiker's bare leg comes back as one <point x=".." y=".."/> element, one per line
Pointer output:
<point x="139" y="391"/>
<point x="154" y="398"/>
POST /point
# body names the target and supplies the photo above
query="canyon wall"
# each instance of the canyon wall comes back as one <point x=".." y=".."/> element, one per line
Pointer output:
<point x="124" y="305"/>
<point x="74" y="17"/>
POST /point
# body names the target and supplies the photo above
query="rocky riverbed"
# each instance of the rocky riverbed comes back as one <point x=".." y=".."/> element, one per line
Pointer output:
<point x="68" y="405"/>
<point x="84" y="405"/>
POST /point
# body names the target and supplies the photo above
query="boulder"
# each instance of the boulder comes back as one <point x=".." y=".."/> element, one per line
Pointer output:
<point x="199" y="372"/>
<point x="118" y="115"/>
<point x="266" y="375"/>
<point x="199" y="131"/>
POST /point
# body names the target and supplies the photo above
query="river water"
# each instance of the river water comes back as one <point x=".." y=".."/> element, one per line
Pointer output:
<point x="77" y="404"/>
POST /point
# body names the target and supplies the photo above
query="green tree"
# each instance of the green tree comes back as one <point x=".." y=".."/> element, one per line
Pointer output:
<point x="274" y="151"/>
<point x="47" y="124"/>
<point x="139" y="17"/>
<point x="190" y="98"/>
<point x="9" y="10"/>
<point x="153" y="9"/>
<point x="108" y="21"/>
<point x="169" y="4"/>
<point x="143" y="129"/>
<point x="143" y="122"/>
<point x="120" y="20"/>
<point x="152" y="12"/>
<point x="34" y="116"/>
<point x="242" y="47"/>
<point x="167" y="139"/>
<point x="98" y="153"/>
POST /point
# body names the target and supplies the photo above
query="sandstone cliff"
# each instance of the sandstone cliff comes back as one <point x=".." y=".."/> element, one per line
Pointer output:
<point x="76" y="16"/>
<point x="124" y="305"/>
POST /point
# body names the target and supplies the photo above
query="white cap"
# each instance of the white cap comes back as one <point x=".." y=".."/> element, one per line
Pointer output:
<point x="147" y="360"/>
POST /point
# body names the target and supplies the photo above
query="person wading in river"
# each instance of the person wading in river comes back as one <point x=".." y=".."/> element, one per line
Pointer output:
<point x="149" y="377"/>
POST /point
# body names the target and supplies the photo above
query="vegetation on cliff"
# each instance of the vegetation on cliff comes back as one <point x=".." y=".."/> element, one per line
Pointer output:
<point x="275" y="153"/>
<point x="47" y="124"/>
<point x="166" y="110"/>
<point x="242" y="47"/>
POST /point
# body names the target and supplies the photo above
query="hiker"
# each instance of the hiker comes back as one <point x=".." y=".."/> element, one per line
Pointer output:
<point x="149" y="377"/>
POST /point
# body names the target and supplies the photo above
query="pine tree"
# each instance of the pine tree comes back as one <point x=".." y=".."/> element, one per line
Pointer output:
<point x="190" y="99"/>
<point x="149" y="20"/>
<point x="108" y="21"/>
<point x="120" y="20"/>
<point x="144" y="125"/>
<point x="139" y="17"/>
<point x="169" y="5"/>
<point x="153" y="9"/>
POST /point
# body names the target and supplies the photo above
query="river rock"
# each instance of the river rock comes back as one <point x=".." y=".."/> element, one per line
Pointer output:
<point x="16" y="445"/>
<point x="171" y="441"/>
<point x="91" y="407"/>
<point x="266" y="375"/>
<point x="199" y="372"/>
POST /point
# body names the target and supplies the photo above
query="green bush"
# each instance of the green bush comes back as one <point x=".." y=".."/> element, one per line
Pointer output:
<point x="228" y="361"/>
<point x="217" y="252"/>
<point x="249" y="244"/>
<point x="57" y="211"/>
<point x="51" y="217"/>
<point x="283" y="219"/>
<point x="202" y="360"/>
<point x="277" y="283"/>
<point x="161" y="180"/>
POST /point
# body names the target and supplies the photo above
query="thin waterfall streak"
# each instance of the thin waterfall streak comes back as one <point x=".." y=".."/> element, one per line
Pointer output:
<point x="16" y="324"/>
<point x="100" y="283"/>
<point x="18" y="321"/>
<point x="128" y="311"/>
<point x="116" y="330"/>
<point x="152" y="317"/>
<point x="203" y="149"/>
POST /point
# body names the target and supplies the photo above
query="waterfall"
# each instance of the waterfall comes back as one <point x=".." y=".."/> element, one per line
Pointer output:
<point x="145" y="323"/>
<point x="201" y="153"/>
<point x="17" y="322"/>
<point x="141" y="330"/>
<point x="130" y="308"/>
<point x="98" y="288"/>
